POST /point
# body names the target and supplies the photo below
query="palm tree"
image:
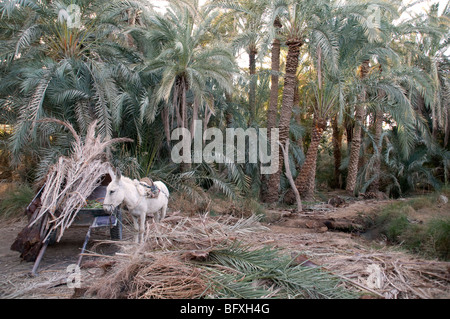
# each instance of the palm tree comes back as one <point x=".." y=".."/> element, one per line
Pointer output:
<point x="378" y="123"/>
<point x="60" y="70"/>
<point x="406" y="172"/>
<point x="297" y="19"/>
<point x="367" y="35"/>
<point x="275" y="70"/>
<point x="425" y="41"/>
<point x="270" y="185"/>
<point x="248" y="21"/>
<point x="325" y="105"/>
<point x="337" y="153"/>
<point x="397" y="89"/>
<point x="356" y="135"/>
<point x="323" y="44"/>
<point x="185" y="61"/>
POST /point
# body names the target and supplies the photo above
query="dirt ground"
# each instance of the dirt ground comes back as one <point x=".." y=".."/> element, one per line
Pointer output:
<point x="370" y="266"/>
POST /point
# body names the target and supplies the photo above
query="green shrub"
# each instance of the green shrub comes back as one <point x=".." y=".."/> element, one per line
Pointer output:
<point x="421" y="202"/>
<point x="430" y="239"/>
<point x="393" y="220"/>
<point x="438" y="231"/>
<point x="396" y="227"/>
<point x="415" y="239"/>
<point x="14" y="201"/>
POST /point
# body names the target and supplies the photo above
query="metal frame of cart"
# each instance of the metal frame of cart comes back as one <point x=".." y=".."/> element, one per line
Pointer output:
<point x="87" y="217"/>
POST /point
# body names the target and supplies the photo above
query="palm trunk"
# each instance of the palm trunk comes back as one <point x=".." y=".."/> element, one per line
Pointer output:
<point x="374" y="187"/>
<point x="194" y="116"/>
<point x="184" y="104"/>
<point x="308" y="193"/>
<point x="273" y="100"/>
<point x="176" y="103"/>
<point x="349" y="126"/>
<point x="305" y="181"/>
<point x="337" y="145"/>
<point x="274" y="77"/>
<point x="228" y="113"/>
<point x="356" y="139"/>
<point x="447" y="128"/>
<point x="166" y="124"/>
<point x="289" y="197"/>
<point x="290" y="81"/>
<point x="184" y="167"/>
<point x="269" y="189"/>
<point x="354" y="151"/>
<point x="252" y="86"/>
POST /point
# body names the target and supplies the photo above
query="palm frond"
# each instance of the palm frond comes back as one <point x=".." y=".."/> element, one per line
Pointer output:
<point x="267" y="272"/>
<point x="7" y="8"/>
<point x="29" y="114"/>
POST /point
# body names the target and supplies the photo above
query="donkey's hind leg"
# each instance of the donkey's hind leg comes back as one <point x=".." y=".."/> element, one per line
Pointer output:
<point x="163" y="212"/>
<point x="160" y="214"/>
<point x="157" y="216"/>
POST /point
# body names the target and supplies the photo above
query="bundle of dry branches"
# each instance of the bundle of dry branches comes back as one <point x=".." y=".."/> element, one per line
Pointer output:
<point x="150" y="276"/>
<point x="188" y="233"/>
<point x="160" y="268"/>
<point x="72" y="179"/>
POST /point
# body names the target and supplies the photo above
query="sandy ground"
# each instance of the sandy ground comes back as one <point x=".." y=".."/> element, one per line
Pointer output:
<point x="349" y="255"/>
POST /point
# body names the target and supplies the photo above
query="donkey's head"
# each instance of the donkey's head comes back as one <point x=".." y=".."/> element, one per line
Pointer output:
<point x="115" y="192"/>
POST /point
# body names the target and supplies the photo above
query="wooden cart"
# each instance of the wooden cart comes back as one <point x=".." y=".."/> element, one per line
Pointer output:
<point x="87" y="217"/>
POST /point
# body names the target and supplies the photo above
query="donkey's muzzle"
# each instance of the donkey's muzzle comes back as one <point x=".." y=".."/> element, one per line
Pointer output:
<point x="108" y="207"/>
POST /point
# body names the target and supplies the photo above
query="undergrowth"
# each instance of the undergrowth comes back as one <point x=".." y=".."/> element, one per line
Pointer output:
<point x="15" y="199"/>
<point x="429" y="238"/>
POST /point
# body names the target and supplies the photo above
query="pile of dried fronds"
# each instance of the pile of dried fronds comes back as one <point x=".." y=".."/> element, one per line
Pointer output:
<point x="395" y="275"/>
<point x="198" y="233"/>
<point x="149" y="276"/>
<point x="385" y="272"/>
<point x="72" y="179"/>
<point x="193" y="257"/>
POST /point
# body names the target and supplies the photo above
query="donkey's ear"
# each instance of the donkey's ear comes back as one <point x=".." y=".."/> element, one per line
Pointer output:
<point x="118" y="174"/>
<point x="111" y="172"/>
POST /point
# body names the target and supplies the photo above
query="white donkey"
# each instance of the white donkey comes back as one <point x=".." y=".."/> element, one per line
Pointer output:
<point x="123" y="190"/>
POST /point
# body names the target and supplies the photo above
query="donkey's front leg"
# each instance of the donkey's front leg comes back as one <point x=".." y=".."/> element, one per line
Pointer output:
<point x="136" y="228"/>
<point x="142" y="227"/>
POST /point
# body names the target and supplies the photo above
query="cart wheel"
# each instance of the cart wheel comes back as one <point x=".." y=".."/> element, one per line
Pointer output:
<point x="116" y="231"/>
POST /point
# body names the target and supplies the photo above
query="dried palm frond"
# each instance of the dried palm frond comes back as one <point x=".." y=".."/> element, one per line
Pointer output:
<point x="150" y="276"/>
<point x="72" y="179"/>
<point x="193" y="257"/>
<point x="168" y="263"/>
<point x="179" y="232"/>
<point x="167" y="277"/>
<point x="394" y="274"/>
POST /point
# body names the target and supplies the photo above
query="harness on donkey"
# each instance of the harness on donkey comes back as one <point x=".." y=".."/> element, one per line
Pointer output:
<point x="148" y="189"/>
